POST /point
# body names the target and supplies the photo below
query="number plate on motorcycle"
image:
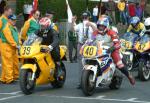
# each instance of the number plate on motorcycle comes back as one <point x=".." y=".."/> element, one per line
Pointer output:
<point x="126" y="44"/>
<point x="26" y="50"/>
<point x="142" y="47"/>
<point x="89" y="51"/>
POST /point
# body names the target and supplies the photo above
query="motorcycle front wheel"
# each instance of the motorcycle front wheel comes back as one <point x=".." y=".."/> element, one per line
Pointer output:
<point x="87" y="84"/>
<point x="143" y="72"/>
<point x="127" y="62"/>
<point x="26" y="84"/>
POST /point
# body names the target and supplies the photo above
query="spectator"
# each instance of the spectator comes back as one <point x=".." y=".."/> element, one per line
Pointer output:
<point x="72" y="44"/>
<point x="122" y="6"/>
<point x="95" y="13"/>
<point x="2" y="5"/>
<point x="103" y="9"/>
<point x="139" y="11"/>
<point x="27" y="8"/>
<point x="111" y="7"/>
<point x="131" y="10"/>
<point x="31" y="25"/>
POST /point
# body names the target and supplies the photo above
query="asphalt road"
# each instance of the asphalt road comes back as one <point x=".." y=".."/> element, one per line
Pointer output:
<point x="140" y="93"/>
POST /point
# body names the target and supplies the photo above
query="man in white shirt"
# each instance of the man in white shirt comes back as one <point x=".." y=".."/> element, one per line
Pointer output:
<point x="27" y="9"/>
<point x="95" y="13"/>
<point x="84" y="32"/>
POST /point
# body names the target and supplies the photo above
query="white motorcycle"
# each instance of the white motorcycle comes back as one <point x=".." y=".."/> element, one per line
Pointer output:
<point x="98" y="68"/>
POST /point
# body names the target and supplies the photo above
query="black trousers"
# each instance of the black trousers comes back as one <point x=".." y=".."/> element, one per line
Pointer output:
<point x="72" y="46"/>
<point x="56" y="54"/>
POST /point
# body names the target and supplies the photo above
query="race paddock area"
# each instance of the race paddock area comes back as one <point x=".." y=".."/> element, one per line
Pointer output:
<point x="139" y="93"/>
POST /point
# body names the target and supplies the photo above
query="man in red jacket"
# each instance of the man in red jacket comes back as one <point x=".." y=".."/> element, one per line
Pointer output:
<point x="111" y="39"/>
<point x="131" y="9"/>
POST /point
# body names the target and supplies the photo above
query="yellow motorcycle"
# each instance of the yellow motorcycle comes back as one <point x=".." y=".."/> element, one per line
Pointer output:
<point x="38" y="67"/>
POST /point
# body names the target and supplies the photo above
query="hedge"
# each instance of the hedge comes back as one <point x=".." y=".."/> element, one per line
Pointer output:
<point x="58" y="6"/>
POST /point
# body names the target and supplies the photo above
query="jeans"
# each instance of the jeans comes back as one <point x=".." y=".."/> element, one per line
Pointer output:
<point x="95" y="19"/>
<point x="123" y="17"/>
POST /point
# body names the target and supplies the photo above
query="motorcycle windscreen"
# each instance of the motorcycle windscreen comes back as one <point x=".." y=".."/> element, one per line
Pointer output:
<point x="33" y="39"/>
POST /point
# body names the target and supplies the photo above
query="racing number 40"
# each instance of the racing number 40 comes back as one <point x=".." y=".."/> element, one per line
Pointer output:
<point x="89" y="51"/>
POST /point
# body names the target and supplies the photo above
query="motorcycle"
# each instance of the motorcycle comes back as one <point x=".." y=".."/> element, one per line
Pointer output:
<point x="98" y="68"/>
<point x="38" y="67"/>
<point x="136" y="55"/>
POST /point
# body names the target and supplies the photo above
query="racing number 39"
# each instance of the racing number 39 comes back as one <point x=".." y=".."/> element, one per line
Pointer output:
<point x="26" y="50"/>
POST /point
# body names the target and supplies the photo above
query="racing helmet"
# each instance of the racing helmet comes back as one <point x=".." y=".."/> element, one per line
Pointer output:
<point x="135" y="21"/>
<point x="147" y="24"/>
<point x="103" y="24"/>
<point x="45" y="23"/>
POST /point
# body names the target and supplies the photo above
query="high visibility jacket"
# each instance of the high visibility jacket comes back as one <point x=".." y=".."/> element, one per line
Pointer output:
<point x="30" y="27"/>
<point x="14" y="33"/>
<point x="7" y="35"/>
<point x="3" y="22"/>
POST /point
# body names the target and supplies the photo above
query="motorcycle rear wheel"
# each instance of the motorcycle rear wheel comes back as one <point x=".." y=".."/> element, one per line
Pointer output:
<point x="128" y="63"/>
<point x="59" y="80"/>
<point x="26" y="84"/>
<point x="87" y="85"/>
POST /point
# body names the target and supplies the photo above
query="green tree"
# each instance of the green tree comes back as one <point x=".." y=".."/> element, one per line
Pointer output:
<point x="58" y="6"/>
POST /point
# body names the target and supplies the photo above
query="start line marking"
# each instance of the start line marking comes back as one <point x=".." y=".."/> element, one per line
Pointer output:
<point x="12" y="93"/>
<point x="130" y="100"/>
<point x="11" y="97"/>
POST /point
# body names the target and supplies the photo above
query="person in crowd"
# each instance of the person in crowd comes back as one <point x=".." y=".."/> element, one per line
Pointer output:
<point x="111" y="7"/>
<point x="72" y="44"/>
<point x="3" y="31"/>
<point x="95" y="13"/>
<point x="84" y="32"/>
<point x="131" y="10"/>
<point x="139" y="11"/>
<point x="103" y="9"/>
<point x="31" y="25"/>
<point x="27" y="8"/>
<point x="2" y="6"/>
<point x="10" y="42"/>
<point x="122" y="6"/>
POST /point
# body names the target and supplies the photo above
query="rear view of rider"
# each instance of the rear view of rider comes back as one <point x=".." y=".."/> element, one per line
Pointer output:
<point x="111" y="39"/>
<point x="136" y="26"/>
<point x="50" y="38"/>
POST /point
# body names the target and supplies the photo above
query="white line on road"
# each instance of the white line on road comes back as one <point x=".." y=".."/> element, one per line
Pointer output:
<point x="12" y="93"/>
<point x="11" y="97"/>
<point x="131" y="100"/>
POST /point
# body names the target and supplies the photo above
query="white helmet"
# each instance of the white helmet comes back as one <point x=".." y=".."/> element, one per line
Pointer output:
<point x="147" y="23"/>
